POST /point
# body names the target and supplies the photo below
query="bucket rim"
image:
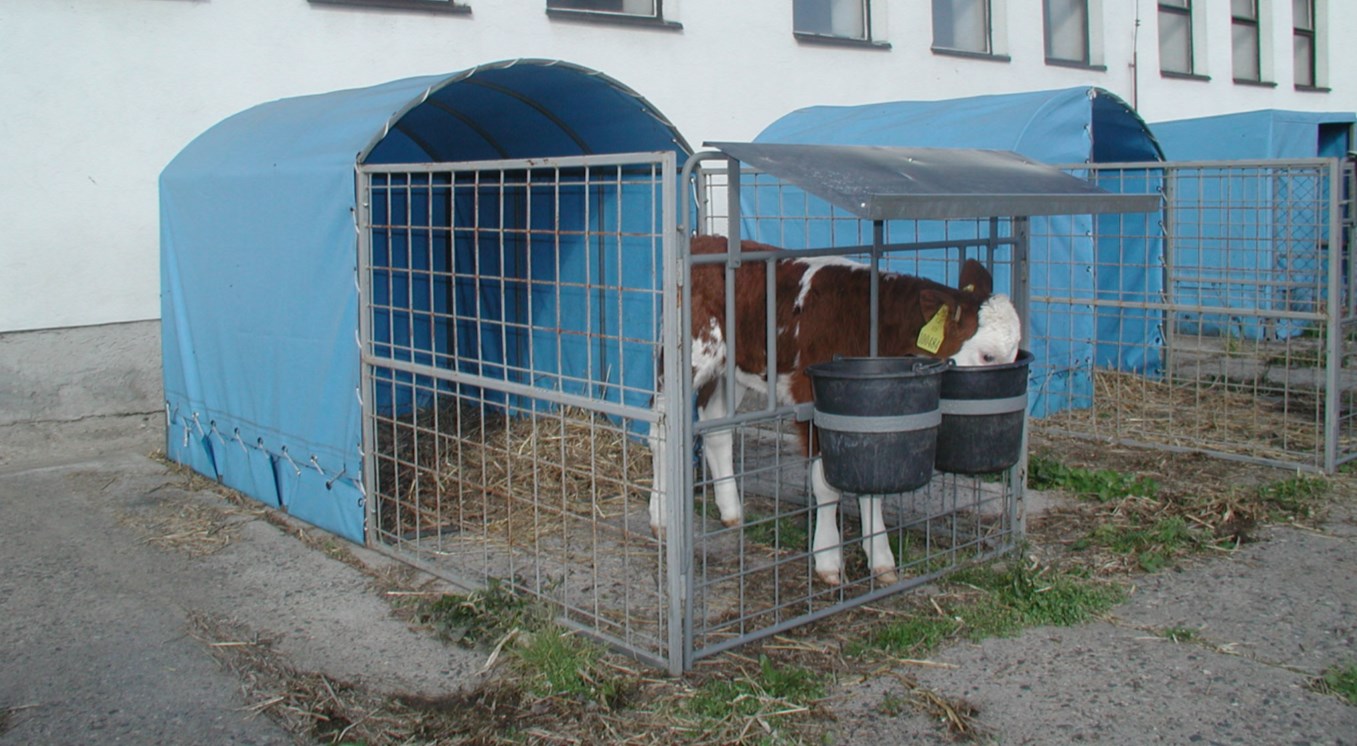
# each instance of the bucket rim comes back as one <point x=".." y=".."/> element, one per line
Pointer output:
<point x="1025" y="358"/>
<point x="920" y="365"/>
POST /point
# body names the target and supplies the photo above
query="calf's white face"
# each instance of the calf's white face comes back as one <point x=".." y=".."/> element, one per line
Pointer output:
<point x="996" y="337"/>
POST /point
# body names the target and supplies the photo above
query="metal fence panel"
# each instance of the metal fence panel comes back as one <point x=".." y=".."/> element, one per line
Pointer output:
<point x="758" y="578"/>
<point x="511" y="329"/>
<point x="1220" y="325"/>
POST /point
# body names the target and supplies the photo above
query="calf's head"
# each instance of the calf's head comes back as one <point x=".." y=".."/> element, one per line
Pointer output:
<point x="979" y="327"/>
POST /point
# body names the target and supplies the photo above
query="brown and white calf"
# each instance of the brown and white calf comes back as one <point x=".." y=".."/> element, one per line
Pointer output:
<point x="823" y="310"/>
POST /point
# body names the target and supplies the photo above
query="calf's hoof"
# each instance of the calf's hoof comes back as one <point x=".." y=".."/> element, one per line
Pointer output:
<point x="731" y="522"/>
<point x="833" y="578"/>
<point x="886" y="576"/>
<point x="657" y="530"/>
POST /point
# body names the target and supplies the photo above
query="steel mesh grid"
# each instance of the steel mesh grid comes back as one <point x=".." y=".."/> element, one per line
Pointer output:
<point x="758" y="578"/>
<point x="1207" y="327"/>
<point x="549" y="500"/>
<point x="469" y="271"/>
<point x="510" y="337"/>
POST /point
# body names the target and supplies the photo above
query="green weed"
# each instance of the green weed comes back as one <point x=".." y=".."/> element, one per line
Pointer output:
<point x="482" y="618"/>
<point x="561" y="663"/>
<point x="1293" y="498"/>
<point x="1340" y="681"/>
<point x="1012" y="597"/>
<point x="786" y="532"/>
<point x="1153" y="546"/>
<point x="1042" y="596"/>
<point x="772" y="688"/>
<point x="1103" y="485"/>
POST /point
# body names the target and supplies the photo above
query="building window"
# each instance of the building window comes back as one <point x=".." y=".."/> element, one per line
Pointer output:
<point x="436" y="6"/>
<point x="637" y="9"/>
<point x="1303" y="37"/>
<point x="1175" y="36"/>
<point x="836" y="19"/>
<point x="1067" y="38"/>
<point x="1244" y="29"/>
<point x="962" y="26"/>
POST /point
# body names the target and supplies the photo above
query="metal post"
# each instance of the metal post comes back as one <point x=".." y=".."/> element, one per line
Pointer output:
<point x="1332" y="309"/>
<point x="1170" y="244"/>
<point x="362" y="223"/>
<point x="678" y="431"/>
<point x="878" y="240"/>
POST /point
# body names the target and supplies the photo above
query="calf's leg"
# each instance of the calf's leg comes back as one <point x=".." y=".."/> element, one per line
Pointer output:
<point x="827" y="544"/>
<point x="875" y="541"/>
<point x="659" y="493"/>
<point x="719" y="449"/>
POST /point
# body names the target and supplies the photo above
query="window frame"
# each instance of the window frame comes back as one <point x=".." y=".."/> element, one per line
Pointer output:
<point x="867" y="40"/>
<point x="1302" y="32"/>
<point x="1186" y="10"/>
<point x="454" y="7"/>
<point x="589" y="15"/>
<point x="993" y="10"/>
<point x="1255" y="23"/>
<point x="1089" y="56"/>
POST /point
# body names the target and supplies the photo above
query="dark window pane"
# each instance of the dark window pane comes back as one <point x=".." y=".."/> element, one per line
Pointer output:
<point x="1175" y="42"/>
<point x="1246" y="52"/>
<point x="1067" y="30"/>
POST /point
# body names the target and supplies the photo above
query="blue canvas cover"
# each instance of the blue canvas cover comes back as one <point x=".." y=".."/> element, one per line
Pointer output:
<point x="259" y="254"/>
<point x="1060" y="127"/>
<point x="1253" y="244"/>
<point x="1268" y="133"/>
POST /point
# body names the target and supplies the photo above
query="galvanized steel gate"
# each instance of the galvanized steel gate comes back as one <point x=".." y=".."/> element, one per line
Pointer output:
<point x="510" y="328"/>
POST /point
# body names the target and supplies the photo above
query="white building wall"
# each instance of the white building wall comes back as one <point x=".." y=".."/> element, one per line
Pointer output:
<point x="99" y="95"/>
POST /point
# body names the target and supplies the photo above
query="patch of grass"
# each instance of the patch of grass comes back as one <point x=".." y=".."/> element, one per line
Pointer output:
<point x="1294" y="498"/>
<point x="1340" y="681"/>
<point x="915" y="635"/>
<point x="1153" y="545"/>
<point x="1040" y="595"/>
<point x="560" y="663"/>
<point x="482" y="618"/>
<point x="997" y="600"/>
<point x="1102" y="485"/>
<point x="771" y="689"/>
<point x="786" y="532"/>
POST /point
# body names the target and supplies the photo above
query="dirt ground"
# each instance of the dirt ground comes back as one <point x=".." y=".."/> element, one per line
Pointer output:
<point x="140" y="605"/>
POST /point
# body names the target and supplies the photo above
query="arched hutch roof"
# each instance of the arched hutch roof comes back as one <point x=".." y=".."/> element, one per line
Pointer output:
<point x="258" y="255"/>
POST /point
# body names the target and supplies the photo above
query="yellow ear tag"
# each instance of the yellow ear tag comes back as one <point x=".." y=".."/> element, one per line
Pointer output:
<point x="931" y="336"/>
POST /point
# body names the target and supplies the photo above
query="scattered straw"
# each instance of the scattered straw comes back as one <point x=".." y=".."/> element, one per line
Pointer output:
<point x="1254" y="419"/>
<point x="463" y="467"/>
<point x="194" y="528"/>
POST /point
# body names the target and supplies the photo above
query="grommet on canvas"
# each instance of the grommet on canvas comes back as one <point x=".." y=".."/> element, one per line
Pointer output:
<point x="283" y="453"/>
<point x="330" y="483"/>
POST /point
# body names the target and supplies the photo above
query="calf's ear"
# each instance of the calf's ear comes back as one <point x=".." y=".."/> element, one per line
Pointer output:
<point x="976" y="279"/>
<point x="936" y="307"/>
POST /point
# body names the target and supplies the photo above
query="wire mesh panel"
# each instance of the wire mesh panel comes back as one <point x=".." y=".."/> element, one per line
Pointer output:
<point x="511" y="328"/>
<point x="758" y="577"/>
<point x="1222" y="324"/>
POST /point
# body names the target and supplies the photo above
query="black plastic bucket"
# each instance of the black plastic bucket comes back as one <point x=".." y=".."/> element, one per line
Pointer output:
<point x="877" y="421"/>
<point x="983" y="411"/>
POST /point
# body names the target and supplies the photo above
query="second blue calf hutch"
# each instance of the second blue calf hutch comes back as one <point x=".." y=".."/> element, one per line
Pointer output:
<point x="1076" y="259"/>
